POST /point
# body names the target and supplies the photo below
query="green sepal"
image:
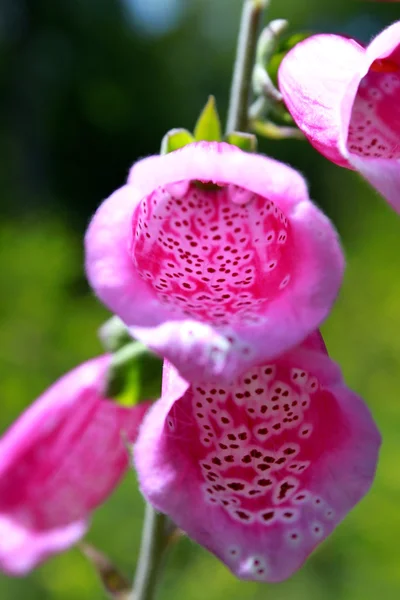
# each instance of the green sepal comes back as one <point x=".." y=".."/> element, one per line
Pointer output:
<point x="134" y="375"/>
<point x="244" y="141"/>
<point x="175" y="139"/>
<point x="208" y="126"/>
<point x="113" y="334"/>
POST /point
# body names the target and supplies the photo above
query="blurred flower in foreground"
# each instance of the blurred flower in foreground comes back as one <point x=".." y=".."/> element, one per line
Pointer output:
<point x="58" y="462"/>
<point x="346" y="100"/>
<point x="215" y="258"/>
<point x="259" y="471"/>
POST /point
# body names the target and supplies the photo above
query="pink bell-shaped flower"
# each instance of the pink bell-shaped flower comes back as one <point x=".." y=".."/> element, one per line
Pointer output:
<point x="58" y="462"/>
<point x="346" y="100"/>
<point x="215" y="258"/>
<point x="261" y="470"/>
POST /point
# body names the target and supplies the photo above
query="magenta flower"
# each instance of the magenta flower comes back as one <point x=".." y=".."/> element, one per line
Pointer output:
<point x="261" y="470"/>
<point x="215" y="258"/>
<point x="60" y="460"/>
<point x="346" y="99"/>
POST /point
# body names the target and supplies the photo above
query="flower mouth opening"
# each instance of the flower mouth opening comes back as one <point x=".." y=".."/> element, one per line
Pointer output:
<point x="374" y="127"/>
<point x="257" y="445"/>
<point x="219" y="256"/>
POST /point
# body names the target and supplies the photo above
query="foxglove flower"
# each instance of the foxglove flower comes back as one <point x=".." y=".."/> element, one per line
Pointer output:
<point x="261" y="470"/>
<point x="215" y="258"/>
<point x="58" y="462"/>
<point x="345" y="99"/>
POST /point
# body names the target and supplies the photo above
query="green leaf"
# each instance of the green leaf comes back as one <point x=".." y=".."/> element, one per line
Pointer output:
<point x="244" y="141"/>
<point x="208" y="126"/>
<point x="175" y="139"/>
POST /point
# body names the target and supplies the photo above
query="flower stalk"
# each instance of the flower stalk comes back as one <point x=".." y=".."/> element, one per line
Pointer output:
<point x="154" y="542"/>
<point x="251" y="19"/>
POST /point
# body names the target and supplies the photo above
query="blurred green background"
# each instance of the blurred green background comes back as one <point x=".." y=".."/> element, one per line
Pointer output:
<point x="87" y="87"/>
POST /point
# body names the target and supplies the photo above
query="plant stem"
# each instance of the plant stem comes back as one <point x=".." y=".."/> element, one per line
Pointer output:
<point x="252" y="13"/>
<point x="153" y="544"/>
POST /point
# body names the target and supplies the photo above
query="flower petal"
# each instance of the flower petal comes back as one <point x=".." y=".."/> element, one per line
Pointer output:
<point x="221" y="163"/>
<point x="60" y="460"/>
<point x="383" y="175"/>
<point x="384" y="44"/>
<point x="315" y="341"/>
<point x="109" y="265"/>
<point x="208" y="274"/>
<point x="345" y="100"/>
<point x="373" y="141"/>
<point x="259" y="471"/>
<point x="318" y="79"/>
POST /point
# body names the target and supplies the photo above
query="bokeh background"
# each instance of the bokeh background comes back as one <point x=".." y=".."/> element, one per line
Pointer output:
<point x="87" y="87"/>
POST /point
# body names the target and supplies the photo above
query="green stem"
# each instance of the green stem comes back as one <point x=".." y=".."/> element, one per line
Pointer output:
<point x="252" y="13"/>
<point x="153" y="544"/>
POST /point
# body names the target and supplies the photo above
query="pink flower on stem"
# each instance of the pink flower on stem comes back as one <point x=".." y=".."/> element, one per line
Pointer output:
<point x="215" y="258"/>
<point x="58" y="462"/>
<point x="346" y="100"/>
<point x="261" y="470"/>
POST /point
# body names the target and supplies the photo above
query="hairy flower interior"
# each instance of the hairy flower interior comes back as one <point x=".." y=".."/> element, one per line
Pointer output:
<point x="218" y="255"/>
<point x="374" y="128"/>
<point x="258" y="446"/>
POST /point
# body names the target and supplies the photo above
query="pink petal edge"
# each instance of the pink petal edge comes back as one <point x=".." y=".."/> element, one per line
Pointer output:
<point x="318" y="79"/>
<point x="221" y="163"/>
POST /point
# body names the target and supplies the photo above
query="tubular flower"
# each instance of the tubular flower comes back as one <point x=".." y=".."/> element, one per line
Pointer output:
<point x="259" y="471"/>
<point x="58" y="462"/>
<point x="345" y="99"/>
<point x="215" y="258"/>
